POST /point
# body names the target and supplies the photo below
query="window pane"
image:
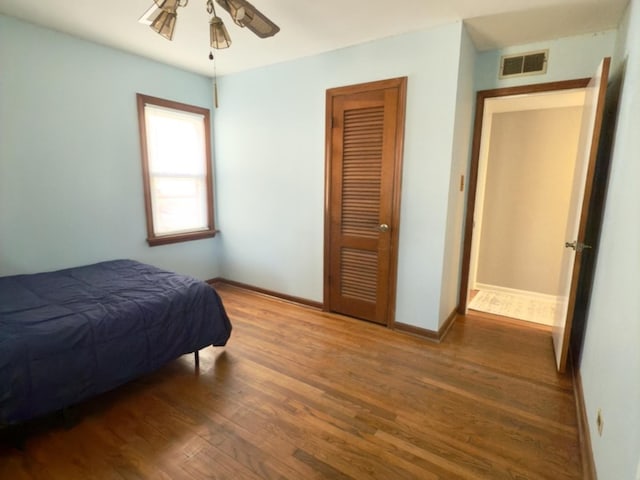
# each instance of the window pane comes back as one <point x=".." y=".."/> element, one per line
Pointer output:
<point x="175" y="142"/>
<point x="178" y="204"/>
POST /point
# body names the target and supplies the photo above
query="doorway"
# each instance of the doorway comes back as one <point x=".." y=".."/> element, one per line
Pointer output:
<point x="585" y="203"/>
<point x="364" y="143"/>
<point x="521" y="117"/>
<point x="527" y="158"/>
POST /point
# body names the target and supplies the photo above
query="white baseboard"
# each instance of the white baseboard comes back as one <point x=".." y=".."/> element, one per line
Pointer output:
<point x="514" y="291"/>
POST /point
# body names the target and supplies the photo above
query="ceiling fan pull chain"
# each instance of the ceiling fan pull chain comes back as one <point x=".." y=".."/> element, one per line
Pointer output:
<point x="215" y="80"/>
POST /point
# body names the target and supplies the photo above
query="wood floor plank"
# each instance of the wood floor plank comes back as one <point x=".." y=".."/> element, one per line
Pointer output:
<point x="303" y="394"/>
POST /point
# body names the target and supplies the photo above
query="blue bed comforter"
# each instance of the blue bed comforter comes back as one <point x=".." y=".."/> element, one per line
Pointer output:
<point x="68" y="335"/>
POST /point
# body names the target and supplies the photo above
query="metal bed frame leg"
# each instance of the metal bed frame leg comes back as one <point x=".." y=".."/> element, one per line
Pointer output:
<point x="196" y="357"/>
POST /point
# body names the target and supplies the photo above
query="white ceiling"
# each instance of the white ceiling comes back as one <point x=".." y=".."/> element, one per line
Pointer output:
<point x="309" y="27"/>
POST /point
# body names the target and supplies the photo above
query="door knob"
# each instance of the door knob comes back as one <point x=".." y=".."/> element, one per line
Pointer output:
<point x="383" y="227"/>
<point x="577" y="246"/>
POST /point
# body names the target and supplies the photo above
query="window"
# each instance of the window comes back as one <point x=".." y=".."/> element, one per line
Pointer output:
<point x="176" y="169"/>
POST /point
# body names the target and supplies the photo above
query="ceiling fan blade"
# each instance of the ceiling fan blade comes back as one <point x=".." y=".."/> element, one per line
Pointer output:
<point x="246" y="15"/>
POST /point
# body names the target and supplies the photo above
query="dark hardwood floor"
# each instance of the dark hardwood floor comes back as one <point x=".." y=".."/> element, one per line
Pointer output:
<point x="301" y="394"/>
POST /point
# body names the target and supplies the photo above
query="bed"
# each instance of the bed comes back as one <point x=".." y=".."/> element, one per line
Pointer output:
<point x="68" y="335"/>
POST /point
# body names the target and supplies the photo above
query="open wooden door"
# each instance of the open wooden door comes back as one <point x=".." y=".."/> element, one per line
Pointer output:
<point x="365" y="131"/>
<point x="583" y="181"/>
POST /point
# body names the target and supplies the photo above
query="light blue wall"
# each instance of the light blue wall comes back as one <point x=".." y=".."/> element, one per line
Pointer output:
<point x="270" y="154"/>
<point x="569" y="58"/>
<point x="465" y="107"/>
<point x="610" y="366"/>
<point x="70" y="175"/>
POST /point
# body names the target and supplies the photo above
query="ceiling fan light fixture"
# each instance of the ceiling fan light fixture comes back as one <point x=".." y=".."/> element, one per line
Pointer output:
<point x="165" y="23"/>
<point x="219" y="37"/>
<point x="162" y="17"/>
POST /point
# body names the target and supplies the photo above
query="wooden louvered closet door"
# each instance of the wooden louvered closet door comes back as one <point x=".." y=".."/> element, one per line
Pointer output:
<point x="364" y="134"/>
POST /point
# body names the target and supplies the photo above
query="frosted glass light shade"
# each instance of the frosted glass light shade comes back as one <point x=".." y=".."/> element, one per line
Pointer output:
<point x="164" y="24"/>
<point x="218" y="34"/>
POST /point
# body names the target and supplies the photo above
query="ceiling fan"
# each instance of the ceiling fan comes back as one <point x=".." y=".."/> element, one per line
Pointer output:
<point x="163" y="14"/>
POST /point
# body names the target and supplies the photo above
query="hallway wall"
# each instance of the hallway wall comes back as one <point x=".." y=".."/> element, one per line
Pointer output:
<point x="531" y="159"/>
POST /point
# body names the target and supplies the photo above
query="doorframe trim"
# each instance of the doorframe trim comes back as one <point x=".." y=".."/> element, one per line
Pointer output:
<point x="481" y="96"/>
<point x="401" y="84"/>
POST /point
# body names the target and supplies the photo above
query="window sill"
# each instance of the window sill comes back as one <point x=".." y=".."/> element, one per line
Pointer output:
<point x="181" y="237"/>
